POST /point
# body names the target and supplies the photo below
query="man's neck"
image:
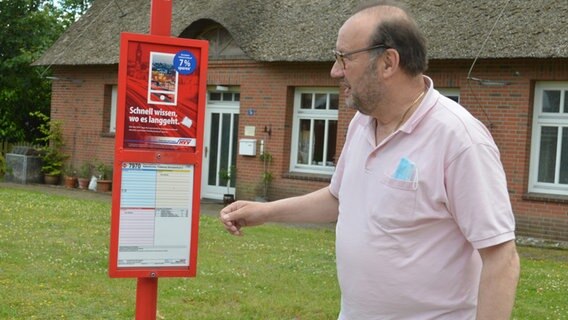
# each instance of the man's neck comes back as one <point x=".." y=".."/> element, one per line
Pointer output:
<point x="404" y="100"/>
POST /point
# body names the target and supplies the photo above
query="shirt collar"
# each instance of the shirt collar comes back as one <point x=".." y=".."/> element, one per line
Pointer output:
<point x="423" y="108"/>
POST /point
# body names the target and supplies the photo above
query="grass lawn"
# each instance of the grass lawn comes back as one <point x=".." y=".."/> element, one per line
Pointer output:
<point x="54" y="255"/>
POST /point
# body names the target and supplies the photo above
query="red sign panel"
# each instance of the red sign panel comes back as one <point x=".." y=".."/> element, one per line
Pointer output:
<point x="157" y="167"/>
<point x="162" y="84"/>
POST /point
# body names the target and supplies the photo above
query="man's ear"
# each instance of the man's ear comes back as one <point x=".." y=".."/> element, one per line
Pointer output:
<point x="391" y="62"/>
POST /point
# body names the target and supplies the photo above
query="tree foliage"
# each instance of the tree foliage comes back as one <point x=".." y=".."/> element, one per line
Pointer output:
<point x="27" y="29"/>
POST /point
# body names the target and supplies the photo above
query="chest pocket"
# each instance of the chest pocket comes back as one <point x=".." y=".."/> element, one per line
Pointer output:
<point x="394" y="206"/>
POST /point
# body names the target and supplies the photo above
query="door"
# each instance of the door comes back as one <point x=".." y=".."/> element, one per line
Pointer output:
<point x="220" y="147"/>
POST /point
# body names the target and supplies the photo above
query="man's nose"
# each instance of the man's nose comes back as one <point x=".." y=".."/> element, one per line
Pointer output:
<point x="336" y="70"/>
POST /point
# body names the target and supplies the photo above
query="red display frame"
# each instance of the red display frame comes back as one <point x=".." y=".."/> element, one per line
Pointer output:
<point x="171" y="133"/>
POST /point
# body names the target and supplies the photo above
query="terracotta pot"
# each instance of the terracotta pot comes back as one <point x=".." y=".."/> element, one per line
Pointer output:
<point x="83" y="183"/>
<point x="104" y="185"/>
<point x="51" y="179"/>
<point x="70" y="182"/>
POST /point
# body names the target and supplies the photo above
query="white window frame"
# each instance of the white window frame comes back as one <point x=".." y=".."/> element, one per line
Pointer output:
<point x="544" y="119"/>
<point x="311" y="114"/>
<point x="113" y="109"/>
<point x="450" y="92"/>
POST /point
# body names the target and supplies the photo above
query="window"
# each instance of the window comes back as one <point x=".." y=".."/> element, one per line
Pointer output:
<point x="113" y="99"/>
<point x="221" y="43"/>
<point x="110" y="109"/>
<point x="452" y="93"/>
<point x="314" y="130"/>
<point x="216" y="96"/>
<point x="549" y="144"/>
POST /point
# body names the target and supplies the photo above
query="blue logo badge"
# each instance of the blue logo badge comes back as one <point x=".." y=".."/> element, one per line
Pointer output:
<point x="185" y="62"/>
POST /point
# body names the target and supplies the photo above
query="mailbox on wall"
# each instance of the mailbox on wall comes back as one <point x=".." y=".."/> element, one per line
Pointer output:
<point x="247" y="147"/>
<point x="158" y="152"/>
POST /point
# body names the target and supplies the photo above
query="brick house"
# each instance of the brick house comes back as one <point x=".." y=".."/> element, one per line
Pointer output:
<point x="269" y="81"/>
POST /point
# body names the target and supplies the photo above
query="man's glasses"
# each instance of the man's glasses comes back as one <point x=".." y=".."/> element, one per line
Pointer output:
<point x="340" y="56"/>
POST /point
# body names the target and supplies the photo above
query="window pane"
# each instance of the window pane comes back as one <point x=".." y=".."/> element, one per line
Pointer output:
<point x="331" y="142"/>
<point x="455" y="98"/>
<point x="225" y="135"/>
<point x="215" y="96"/>
<point x="319" y="140"/>
<point x="213" y="144"/>
<point x="565" y="101"/>
<point x="333" y="101"/>
<point x="237" y="97"/>
<point x="304" y="142"/>
<point x="306" y="101"/>
<point x="321" y="101"/>
<point x="547" y="157"/>
<point x="227" y="96"/>
<point x="564" y="157"/>
<point x="113" y="108"/>
<point x="235" y="144"/>
<point x="551" y="101"/>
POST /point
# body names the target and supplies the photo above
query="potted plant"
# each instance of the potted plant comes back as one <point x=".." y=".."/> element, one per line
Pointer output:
<point x="50" y="148"/>
<point x="104" y="179"/>
<point x="84" y="175"/>
<point x="228" y="175"/>
<point x="70" y="177"/>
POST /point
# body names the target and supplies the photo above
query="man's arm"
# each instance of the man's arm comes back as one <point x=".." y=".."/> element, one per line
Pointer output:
<point x="499" y="278"/>
<point x="317" y="207"/>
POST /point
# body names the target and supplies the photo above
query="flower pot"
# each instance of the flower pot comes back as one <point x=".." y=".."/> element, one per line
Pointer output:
<point x="228" y="199"/>
<point x="52" y="179"/>
<point x="83" y="183"/>
<point x="70" y="182"/>
<point x="104" y="185"/>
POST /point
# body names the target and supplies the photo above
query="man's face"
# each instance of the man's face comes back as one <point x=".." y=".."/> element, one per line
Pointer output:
<point x="358" y="72"/>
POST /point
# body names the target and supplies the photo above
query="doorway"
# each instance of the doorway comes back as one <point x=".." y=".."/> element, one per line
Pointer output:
<point x="220" y="145"/>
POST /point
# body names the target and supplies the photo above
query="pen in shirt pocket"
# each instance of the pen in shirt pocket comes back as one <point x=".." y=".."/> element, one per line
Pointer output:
<point x="405" y="171"/>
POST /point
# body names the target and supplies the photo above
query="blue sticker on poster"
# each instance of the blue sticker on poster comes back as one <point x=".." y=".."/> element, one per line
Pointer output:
<point x="185" y="62"/>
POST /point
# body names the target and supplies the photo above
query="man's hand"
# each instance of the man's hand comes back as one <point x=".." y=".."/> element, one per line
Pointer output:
<point x="241" y="214"/>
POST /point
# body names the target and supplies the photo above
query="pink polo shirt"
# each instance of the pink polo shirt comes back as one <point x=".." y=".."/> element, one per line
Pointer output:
<point x="407" y="238"/>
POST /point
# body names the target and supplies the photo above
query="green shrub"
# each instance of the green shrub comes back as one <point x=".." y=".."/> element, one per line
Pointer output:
<point x="51" y="144"/>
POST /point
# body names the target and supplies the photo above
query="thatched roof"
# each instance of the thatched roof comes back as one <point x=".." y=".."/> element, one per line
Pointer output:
<point x="295" y="30"/>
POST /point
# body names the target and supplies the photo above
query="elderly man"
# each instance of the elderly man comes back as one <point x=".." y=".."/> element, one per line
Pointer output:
<point x="425" y="228"/>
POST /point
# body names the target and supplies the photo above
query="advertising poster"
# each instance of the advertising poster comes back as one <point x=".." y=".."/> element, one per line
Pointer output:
<point x="162" y="83"/>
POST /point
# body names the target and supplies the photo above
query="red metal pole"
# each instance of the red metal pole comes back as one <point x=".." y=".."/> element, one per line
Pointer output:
<point x="161" y="18"/>
<point x="146" y="298"/>
<point x="147" y="288"/>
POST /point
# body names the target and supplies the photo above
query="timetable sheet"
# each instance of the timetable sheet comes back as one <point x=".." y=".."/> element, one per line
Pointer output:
<point x="155" y="215"/>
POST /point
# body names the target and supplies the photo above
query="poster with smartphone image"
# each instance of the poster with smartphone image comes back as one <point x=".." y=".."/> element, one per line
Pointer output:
<point x="162" y="84"/>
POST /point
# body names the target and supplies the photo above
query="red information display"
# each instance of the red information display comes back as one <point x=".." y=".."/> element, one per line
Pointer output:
<point x="157" y="166"/>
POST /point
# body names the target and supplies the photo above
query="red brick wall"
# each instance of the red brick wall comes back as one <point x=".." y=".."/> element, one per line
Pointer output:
<point x="507" y="111"/>
<point x="268" y="88"/>
<point x="78" y="100"/>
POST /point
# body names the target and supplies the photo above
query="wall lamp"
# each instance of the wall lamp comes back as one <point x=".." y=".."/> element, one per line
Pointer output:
<point x="490" y="83"/>
<point x="75" y="81"/>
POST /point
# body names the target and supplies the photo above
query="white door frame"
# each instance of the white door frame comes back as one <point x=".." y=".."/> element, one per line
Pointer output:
<point x="214" y="191"/>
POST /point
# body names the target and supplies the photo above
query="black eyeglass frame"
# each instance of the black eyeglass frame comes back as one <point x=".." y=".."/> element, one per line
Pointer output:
<point x="340" y="56"/>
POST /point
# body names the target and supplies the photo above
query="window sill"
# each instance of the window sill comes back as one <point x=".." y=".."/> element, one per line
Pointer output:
<point x="108" y="134"/>
<point x="308" y="176"/>
<point x="544" y="197"/>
